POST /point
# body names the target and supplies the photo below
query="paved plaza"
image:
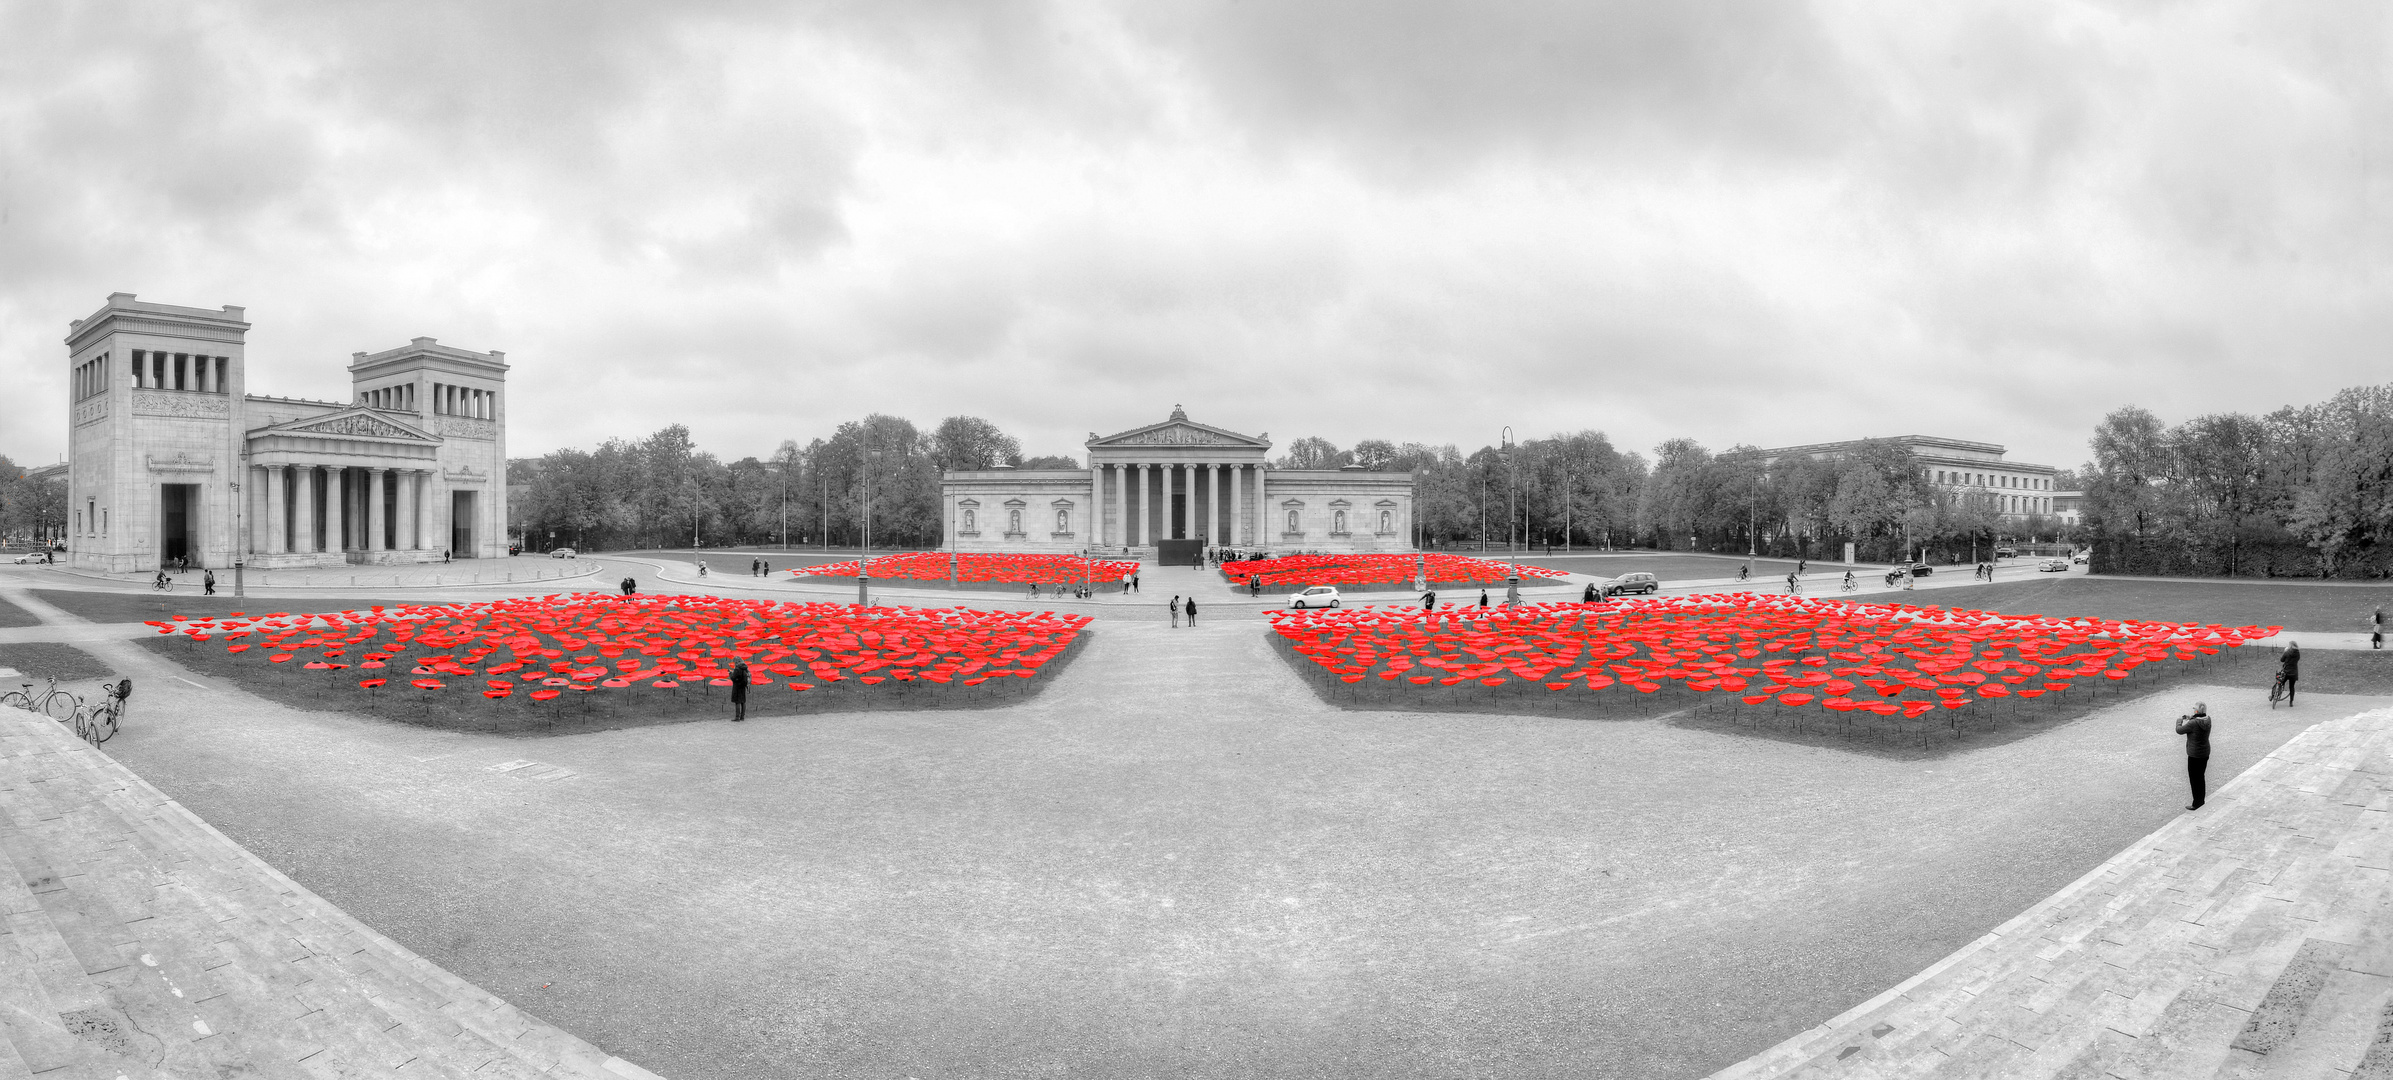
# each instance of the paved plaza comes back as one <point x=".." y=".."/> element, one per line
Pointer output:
<point x="1174" y="861"/>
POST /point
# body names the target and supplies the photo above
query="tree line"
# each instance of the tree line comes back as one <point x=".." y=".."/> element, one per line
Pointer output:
<point x="32" y="510"/>
<point x="1569" y="490"/>
<point x="2305" y="491"/>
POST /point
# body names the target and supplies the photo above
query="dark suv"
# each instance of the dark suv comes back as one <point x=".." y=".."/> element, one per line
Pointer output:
<point x="1632" y="583"/>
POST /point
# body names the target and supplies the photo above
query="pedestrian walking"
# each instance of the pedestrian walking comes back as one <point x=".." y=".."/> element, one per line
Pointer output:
<point x="755" y="567"/>
<point x="2376" y="629"/>
<point x="2195" y="726"/>
<point x="207" y="582"/>
<point x="1588" y="597"/>
<point x="1134" y="581"/>
<point x="2290" y="665"/>
<point x="444" y="555"/>
<point x="701" y="568"/>
<point x="1254" y="584"/>
<point x="1192" y="611"/>
<point x="739" y="691"/>
<point x="1429" y="600"/>
<point x="767" y="564"/>
<point x="1175" y="610"/>
<point x="1483" y="598"/>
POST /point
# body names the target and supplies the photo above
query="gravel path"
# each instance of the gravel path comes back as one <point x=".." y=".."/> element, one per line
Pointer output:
<point x="1174" y="862"/>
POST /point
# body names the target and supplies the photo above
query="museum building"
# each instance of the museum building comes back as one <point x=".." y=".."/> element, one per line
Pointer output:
<point x="171" y="457"/>
<point x="1171" y="488"/>
<point x="1960" y="466"/>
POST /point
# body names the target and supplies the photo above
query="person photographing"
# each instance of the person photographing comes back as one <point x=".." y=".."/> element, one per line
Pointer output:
<point x="2195" y="726"/>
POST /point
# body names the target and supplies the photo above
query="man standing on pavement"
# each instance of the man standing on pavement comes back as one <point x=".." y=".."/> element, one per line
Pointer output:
<point x="739" y="691"/>
<point x="2290" y="666"/>
<point x="1175" y="609"/>
<point x="1192" y="610"/>
<point x="2196" y="729"/>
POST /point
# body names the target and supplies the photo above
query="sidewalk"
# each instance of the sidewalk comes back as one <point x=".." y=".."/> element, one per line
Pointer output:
<point x="2245" y="939"/>
<point x="460" y="574"/>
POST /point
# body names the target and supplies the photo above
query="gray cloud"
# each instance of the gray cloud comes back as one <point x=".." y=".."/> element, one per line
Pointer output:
<point x="1754" y="222"/>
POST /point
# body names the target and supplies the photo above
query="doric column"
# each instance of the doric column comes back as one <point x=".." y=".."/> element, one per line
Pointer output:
<point x="278" y="509"/>
<point x="1262" y="506"/>
<point x="377" y="519"/>
<point x="1121" y="503"/>
<point x="303" y="508"/>
<point x="1136" y="533"/>
<point x="336" y="505"/>
<point x="1238" y="506"/>
<point x="1171" y="483"/>
<point x="1095" y="514"/>
<point x="417" y="481"/>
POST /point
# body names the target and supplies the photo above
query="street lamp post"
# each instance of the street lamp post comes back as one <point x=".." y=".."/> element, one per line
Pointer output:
<point x="864" y="519"/>
<point x="1511" y="505"/>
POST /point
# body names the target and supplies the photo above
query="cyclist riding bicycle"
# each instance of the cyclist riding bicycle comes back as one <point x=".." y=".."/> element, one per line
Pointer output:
<point x="1744" y="572"/>
<point x="160" y="581"/>
<point x="1850" y="585"/>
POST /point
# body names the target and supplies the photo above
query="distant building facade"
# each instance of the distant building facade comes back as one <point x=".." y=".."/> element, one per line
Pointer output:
<point x="1177" y="481"/>
<point x="172" y="458"/>
<point x="1959" y="466"/>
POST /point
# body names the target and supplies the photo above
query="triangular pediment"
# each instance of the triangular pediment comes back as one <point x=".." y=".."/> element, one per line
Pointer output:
<point x="353" y="423"/>
<point x="1179" y="432"/>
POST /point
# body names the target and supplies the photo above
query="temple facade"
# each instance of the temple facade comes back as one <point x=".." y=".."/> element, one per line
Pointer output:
<point x="172" y="458"/>
<point x="1178" y="483"/>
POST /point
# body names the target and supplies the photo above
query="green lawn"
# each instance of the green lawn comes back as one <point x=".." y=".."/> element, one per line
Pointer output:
<point x="1670" y="567"/>
<point x="48" y="658"/>
<point x="12" y="615"/>
<point x="1935" y="735"/>
<point x="2294" y="606"/>
<point x="123" y="607"/>
<point x="460" y="707"/>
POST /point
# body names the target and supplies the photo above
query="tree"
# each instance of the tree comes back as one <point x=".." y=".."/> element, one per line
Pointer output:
<point x="1312" y="452"/>
<point x="967" y="443"/>
<point x="1377" y="455"/>
<point x="1051" y="461"/>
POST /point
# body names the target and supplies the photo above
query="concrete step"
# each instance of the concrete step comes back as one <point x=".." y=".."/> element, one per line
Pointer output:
<point x="139" y="941"/>
<point x="2253" y="938"/>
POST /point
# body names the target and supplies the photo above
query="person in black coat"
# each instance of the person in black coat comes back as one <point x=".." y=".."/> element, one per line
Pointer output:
<point x="2290" y="665"/>
<point x="2196" y="729"/>
<point x="1483" y="598"/>
<point x="739" y="691"/>
<point x="1192" y="611"/>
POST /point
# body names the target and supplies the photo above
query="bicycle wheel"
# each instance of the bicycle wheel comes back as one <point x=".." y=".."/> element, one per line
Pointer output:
<point x="103" y="725"/>
<point x="60" y="706"/>
<point x="16" y="699"/>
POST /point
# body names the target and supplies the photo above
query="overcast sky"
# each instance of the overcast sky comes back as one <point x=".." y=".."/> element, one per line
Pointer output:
<point x="1767" y="223"/>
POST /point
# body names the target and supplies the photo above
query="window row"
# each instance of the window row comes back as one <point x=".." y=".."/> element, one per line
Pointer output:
<point x="91" y="377"/>
<point x="400" y="398"/>
<point x="1994" y="480"/>
<point x="465" y="401"/>
<point x="181" y="371"/>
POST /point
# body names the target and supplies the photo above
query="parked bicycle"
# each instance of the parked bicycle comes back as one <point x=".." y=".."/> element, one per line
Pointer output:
<point x="96" y="724"/>
<point x="52" y="702"/>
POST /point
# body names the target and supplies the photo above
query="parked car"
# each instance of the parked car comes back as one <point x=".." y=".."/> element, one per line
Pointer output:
<point x="561" y="553"/>
<point x="2006" y="553"/>
<point x="1319" y="596"/>
<point x="2055" y="566"/>
<point x="1632" y="583"/>
<point x="33" y="557"/>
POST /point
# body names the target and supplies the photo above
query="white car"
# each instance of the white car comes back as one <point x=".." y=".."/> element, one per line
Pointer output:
<point x="33" y="557"/>
<point x="561" y="553"/>
<point x="2055" y="566"/>
<point x="1319" y="596"/>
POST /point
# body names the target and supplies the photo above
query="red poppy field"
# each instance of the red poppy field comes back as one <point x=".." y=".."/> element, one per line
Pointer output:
<point x="577" y="661"/>
<point x="1377" y="573"/>
<point x="1879" y="668"/>
<point x="931" y="567"/>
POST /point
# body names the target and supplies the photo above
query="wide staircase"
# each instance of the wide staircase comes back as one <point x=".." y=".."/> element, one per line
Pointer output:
<point x="2251" y="938"/>
<point x="140" y="942"/>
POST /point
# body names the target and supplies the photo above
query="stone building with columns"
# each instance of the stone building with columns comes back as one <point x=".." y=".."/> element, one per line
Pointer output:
<point x="1173" y="487"/>
<point x="171" y="457"/>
